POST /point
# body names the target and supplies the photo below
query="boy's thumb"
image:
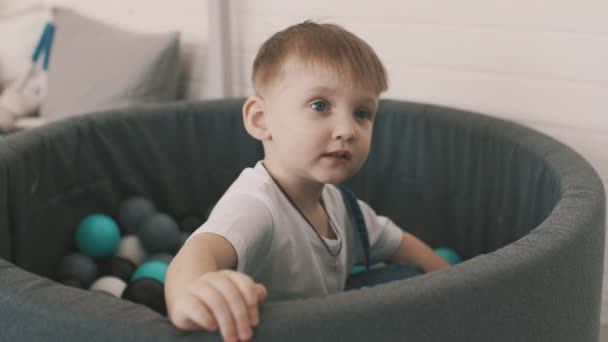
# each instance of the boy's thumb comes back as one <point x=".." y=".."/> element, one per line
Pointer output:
<point x="261" y="291"/>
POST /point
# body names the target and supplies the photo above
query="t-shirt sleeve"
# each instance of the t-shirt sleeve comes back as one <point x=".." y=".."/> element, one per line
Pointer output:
<point x="246" y="222"/>
<point x="384" y="234"/>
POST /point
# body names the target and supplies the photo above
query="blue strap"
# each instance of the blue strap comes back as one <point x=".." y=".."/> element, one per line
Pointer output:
<point x="44" y="46"/>
<point x="49" y="43"/>
<point x="350" y="200"/>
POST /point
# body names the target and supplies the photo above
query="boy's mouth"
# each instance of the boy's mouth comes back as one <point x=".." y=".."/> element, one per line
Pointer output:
<point x="338" y="155"/>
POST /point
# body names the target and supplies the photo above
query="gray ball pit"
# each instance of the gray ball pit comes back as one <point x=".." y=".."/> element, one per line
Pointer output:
<point x="526" y="212"/>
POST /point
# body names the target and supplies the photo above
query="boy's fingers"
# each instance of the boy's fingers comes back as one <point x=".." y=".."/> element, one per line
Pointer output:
<point x="200" y="315"/>
<point x="220" y="309"/>
<point x="261" y="292"/>
<point x="237" y="302"/>
<point x="247" y="287"/>
<point x="254" y="312"/>
<point x="194" y="315"/>
<point x="250" y="293"/>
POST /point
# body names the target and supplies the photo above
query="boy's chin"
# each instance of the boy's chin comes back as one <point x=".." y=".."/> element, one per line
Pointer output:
<point x="335" y="179"/>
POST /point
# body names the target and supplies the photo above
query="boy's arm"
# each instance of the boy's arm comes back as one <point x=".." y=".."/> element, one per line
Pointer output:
<point x="202" y="290"/>
<point x="412" y="250"/>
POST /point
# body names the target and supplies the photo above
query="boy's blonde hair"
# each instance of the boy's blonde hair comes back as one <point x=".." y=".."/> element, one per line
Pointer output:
<point x="328" y="45"/>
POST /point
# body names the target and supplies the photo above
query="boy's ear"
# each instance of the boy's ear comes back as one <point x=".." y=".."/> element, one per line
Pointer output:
<point x="254" y="118"/>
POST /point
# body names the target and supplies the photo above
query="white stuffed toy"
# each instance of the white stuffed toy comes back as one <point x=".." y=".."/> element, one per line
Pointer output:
<point x="24" y="96"/>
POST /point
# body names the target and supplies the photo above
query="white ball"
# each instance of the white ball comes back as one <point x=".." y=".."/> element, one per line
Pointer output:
<point x="112" y="285"/>
<point x="132" y="249"/>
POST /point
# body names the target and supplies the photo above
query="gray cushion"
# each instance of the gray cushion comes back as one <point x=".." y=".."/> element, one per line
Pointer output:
<point x="97" y="66"/>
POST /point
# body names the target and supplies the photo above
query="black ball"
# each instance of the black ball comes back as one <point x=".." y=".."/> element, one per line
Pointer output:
<point x="147" y="291"/>
<point x="72" y="282"/>
<point x="182" y="240"/>
<point x="117" y="267"/>
<point x="190" y="223"/>
<point x="159" y="233"/>
<point x="77" y="266"/>
<point x="132" y="212"/>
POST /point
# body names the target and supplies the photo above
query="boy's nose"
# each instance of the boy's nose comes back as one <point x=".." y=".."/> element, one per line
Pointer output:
<point x="345" y="128"/>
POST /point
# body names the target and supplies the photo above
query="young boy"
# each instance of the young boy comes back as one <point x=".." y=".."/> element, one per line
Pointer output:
<point x="282" y="230"/>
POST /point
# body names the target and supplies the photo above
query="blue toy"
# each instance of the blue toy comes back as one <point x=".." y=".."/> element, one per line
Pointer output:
<point x="449" y="255"/>
<point x="151" y="269"/>
<point x="98" y="236"/>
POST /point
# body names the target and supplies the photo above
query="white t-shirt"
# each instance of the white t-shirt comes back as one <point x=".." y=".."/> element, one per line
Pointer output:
<point x="277" y="247"/>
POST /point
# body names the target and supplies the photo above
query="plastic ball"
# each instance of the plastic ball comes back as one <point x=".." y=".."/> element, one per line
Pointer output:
<point x="112" y="285"/>
<point x="147" y="291"/>
<point x="97" y="236"/>
<point x="132" y="249"/>
<point x="182" y="240"/>
<point x="159" y="233"/>
<point x="449" y="255"/>
<point x="76" y="266"/>
<point x="190" y="224"/>
<point x="151" y="269"/>
<point x="164" y="257"/>
<point x="357" y="269"/>
<point x="117" y="267"/>
<point x="132" y="212"/>
<point x="72" y="282"/>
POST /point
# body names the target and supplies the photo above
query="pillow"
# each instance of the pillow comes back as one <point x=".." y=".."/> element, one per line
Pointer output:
<point x="95" y="66"/>
<point x="21" y="24"/>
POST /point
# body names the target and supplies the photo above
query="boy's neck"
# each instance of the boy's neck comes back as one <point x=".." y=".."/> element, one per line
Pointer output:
<point x="305" y="195"/>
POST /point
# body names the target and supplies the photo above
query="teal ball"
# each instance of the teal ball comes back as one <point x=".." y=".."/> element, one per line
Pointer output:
<point x="98" y="236"/>
<point x="164" y="257"/>
<point x="358" y="269"/>
<point x="449" y="255"/>
<point x="154" y="269"/>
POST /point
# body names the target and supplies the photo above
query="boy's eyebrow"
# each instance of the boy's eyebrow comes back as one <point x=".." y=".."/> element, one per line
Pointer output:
<point x="322" y="89"/>
<point x="319" y="89"/>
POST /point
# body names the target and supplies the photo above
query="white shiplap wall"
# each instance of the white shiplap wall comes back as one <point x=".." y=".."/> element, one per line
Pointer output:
<point x="541" y="63"/>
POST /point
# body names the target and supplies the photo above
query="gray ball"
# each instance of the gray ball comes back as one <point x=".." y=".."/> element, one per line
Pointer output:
<point x="132" y="212"/>
<point x="77" y="266"/>
<point x="159" y="233"/>
<point x="164" y="257"/>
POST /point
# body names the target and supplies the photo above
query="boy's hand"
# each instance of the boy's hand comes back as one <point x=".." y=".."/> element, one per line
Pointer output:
<point x="225" y="299"/>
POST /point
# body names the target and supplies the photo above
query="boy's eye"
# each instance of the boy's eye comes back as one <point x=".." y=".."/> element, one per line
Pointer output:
<point x="319" y="106"/>
<point x="362" y="114"/>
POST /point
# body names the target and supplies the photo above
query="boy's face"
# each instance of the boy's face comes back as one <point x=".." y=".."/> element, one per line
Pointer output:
<point x="320" y="125"/>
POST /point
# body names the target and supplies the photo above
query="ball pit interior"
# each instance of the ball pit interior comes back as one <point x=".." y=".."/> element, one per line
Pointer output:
<point x="525" y="212"/>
